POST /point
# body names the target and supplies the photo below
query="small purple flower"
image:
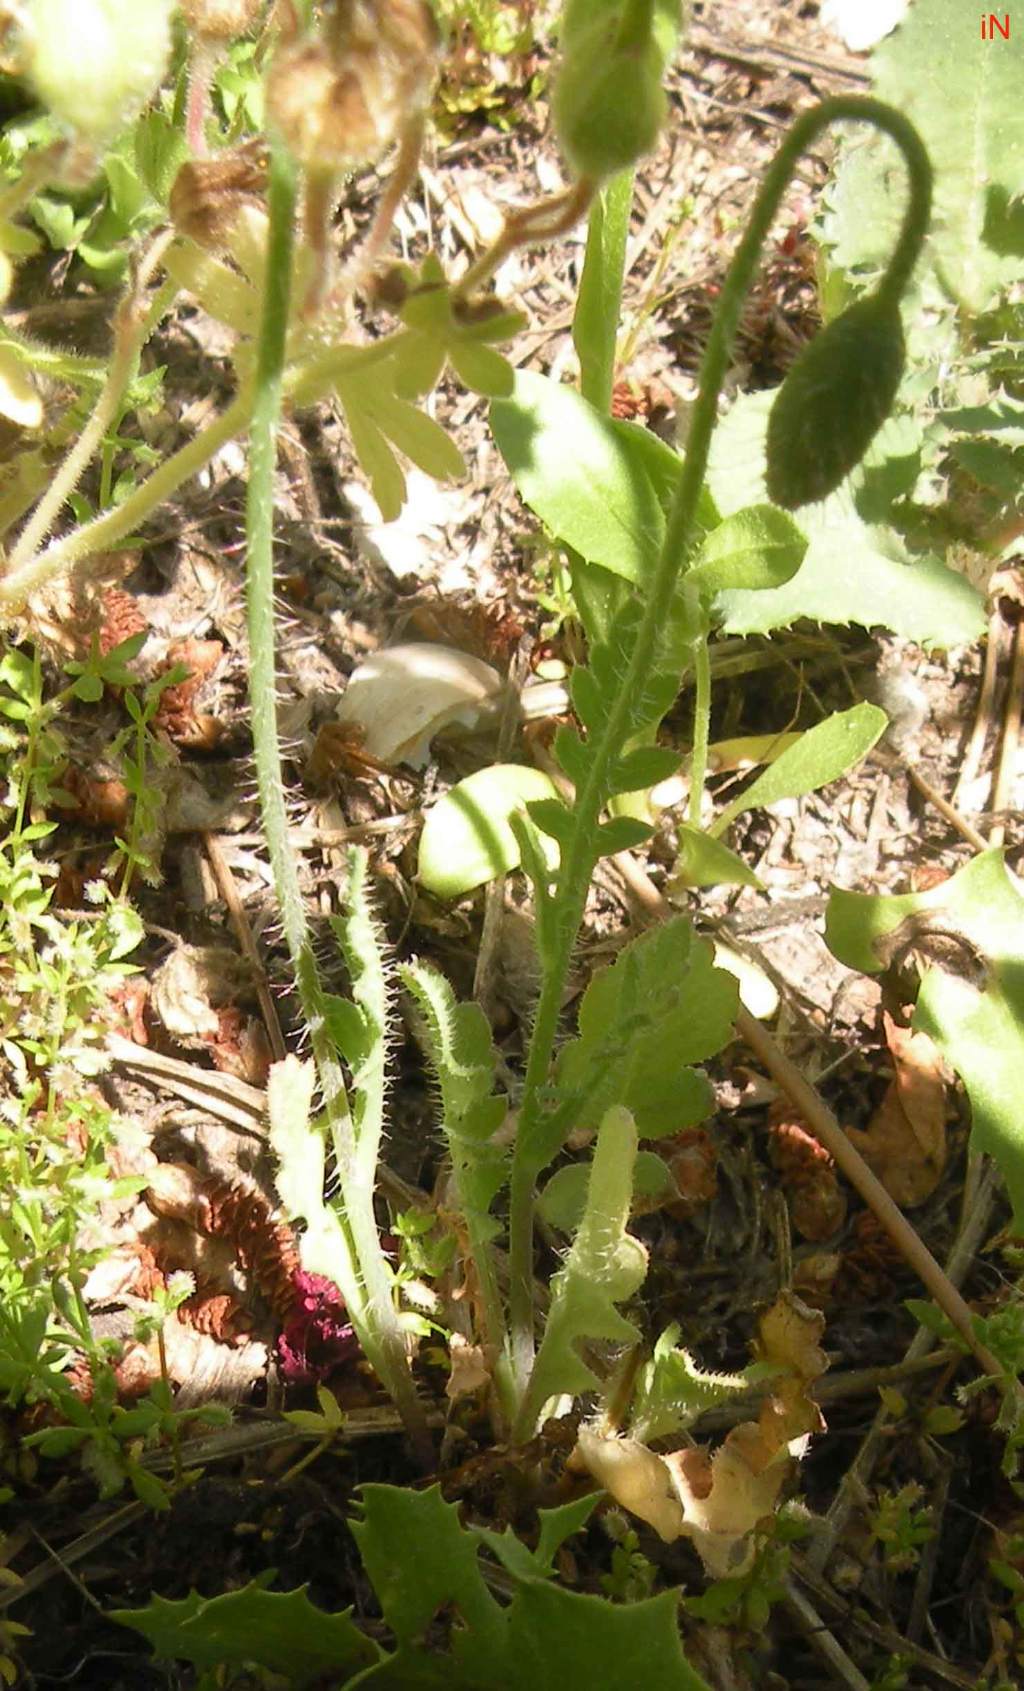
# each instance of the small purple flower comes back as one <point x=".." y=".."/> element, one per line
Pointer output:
<point x="317" y="1338"/>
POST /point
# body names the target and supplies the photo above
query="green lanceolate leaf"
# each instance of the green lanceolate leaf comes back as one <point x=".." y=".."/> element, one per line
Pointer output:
<point x="467" y="839"/>
<point x="600" y="486"/>
<point x="971" y="1000"/>
<point x="819" y="756"/>
<point x="833" y="402"/>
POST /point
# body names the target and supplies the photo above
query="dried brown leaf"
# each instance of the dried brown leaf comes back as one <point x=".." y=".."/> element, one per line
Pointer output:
<point x="905" y="1142"/>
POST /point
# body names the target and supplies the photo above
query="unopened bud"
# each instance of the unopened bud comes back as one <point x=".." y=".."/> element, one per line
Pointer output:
<point x="209" y="195"/>
<point x="220" y="20"/>
<point x="95" y="63"/>
<point x="323" y="116"/>
<point x="608" y="103"/>
<point x="341" y="99"/>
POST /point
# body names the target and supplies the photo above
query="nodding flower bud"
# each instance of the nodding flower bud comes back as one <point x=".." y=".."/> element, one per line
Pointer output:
<point x="340" y="98"/>
<point x="209" y="195"/>
<point x="220" y="20"/>
<point x="95" y="63"/>
<point x="608" y="103"/>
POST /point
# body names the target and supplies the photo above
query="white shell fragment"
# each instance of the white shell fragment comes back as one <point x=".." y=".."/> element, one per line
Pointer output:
<point x="402" y="696"/>
<point x="19" y="400"/>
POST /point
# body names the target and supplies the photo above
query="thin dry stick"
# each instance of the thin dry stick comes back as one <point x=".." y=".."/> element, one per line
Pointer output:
<point x="965" y="829"/>
<point x="827" y="1646"/>
<point x="246" y="939"/>
<point x="1006" y="773"/>
<point x="890" y="1640"/>
<point x="858" y="1475"/>
<point x="983" y="715"/>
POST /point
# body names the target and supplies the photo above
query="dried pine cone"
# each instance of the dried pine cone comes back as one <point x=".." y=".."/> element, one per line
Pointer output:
<point x="817" y="1204"/>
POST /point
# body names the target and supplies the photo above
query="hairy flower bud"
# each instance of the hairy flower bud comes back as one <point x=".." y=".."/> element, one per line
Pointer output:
<point x="339" y="99"/>
<point x="607" y="103"/>
<point x="209" y="194"/>
<point x="220" y="20"/>
<point x="833" y="402"/>
<point x="95" y="63"/>
<point x="323" y="116"/>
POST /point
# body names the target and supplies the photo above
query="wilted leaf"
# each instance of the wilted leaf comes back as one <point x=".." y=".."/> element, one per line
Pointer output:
<point x="637" y="1479"/>
<point x="402" y="696"/>
<point x="905" y="1142"/>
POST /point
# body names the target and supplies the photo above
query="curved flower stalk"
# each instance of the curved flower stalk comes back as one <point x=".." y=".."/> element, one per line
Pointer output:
<point x="613" y="696"/>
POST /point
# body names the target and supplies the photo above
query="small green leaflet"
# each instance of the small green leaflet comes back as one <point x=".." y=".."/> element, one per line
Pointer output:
<point x="756" y="548"/>
<point x="821" y="755"/>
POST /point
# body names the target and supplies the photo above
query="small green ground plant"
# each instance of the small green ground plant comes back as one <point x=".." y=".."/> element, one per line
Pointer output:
<point x="775" y="513"/>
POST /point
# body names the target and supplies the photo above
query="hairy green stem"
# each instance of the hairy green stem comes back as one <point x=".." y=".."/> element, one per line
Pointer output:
<point x="105" y="531"/>
<point x="363" y="1273"/>
<point x="132" y="329"/>
<point x="309" y="381"/>
<point x="701" y="727"/>
<point x="533" y="1147"/>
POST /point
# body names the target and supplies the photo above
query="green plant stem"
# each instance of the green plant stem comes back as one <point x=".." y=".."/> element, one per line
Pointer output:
<point x="363" y="1274"/>
<point x="595" y="323"/>
<point x="307" y="383"/>
<point x="701" y="727"/>
<point x="533" y="1149"/>
<point x="105" y="531"/>
<point x="132" y="330"/>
